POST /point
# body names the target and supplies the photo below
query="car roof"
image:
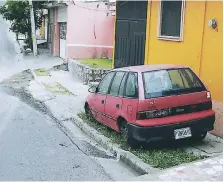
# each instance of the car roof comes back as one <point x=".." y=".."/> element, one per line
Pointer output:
<point x="152" y="67"/>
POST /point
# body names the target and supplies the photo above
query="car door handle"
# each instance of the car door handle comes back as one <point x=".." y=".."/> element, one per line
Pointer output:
<point x="117" y="105"/>
<point x="102" y="101"/>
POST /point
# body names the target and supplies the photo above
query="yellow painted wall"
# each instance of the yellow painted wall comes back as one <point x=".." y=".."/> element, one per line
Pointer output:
<point x="42" y="28"/>
<point x="187" y="52"/>
<point x="201" y="48"/>
<point x="211" y="71"/>
<point x="212" y="51"/>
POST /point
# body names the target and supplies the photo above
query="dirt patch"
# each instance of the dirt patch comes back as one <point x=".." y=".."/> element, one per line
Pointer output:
<point x="41" y="72"/>
<point x="57" y="88"/>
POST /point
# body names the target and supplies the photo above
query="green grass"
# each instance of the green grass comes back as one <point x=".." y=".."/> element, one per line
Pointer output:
<point x="97" y="63"/>
<point x="57" y="89"/>
<point x="41" y="72"/>
<point x="158" y="157"/>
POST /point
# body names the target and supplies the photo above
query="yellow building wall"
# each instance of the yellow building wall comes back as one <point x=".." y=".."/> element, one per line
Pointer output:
<point x="187" y="52"/>
<point x="211" y="69"/>
<point x="212" y="51"/>
<point x="42" y="28"/>
<point x="201" y="48"/>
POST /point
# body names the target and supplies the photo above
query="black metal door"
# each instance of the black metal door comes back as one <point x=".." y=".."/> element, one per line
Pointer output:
<point x="130" y="33"/>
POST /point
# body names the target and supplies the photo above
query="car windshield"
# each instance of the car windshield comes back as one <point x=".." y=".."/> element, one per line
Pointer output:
<point x="171" y="82"/>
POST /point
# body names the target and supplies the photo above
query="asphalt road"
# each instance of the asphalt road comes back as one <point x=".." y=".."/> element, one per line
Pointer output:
<point x="32" y="147"/>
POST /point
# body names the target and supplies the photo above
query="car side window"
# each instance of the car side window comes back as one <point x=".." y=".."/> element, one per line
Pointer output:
<point x="121" y="90"/>
<point x="132" y="86"/>
<point x="114" y="89"/>
<point x="105" y="83"/>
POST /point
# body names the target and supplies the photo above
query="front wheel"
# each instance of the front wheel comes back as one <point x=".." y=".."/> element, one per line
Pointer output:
<point x="88" y="112"/>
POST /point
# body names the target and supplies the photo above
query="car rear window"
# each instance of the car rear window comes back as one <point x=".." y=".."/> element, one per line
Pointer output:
<point x="171" y="82"/>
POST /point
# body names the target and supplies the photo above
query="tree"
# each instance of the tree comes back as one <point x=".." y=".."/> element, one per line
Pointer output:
<point x="18" y="12"/>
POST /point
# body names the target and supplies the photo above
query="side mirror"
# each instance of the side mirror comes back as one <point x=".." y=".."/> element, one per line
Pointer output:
<point x="92" y="89"/>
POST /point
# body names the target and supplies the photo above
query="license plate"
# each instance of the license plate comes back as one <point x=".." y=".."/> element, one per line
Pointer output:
<point x="182" y="133"/>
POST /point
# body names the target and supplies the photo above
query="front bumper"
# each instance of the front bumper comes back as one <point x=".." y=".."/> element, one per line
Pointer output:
<point x="161" y="132"/>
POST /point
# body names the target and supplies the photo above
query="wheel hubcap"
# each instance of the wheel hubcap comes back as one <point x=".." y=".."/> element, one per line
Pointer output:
<point x="124" y="130"/>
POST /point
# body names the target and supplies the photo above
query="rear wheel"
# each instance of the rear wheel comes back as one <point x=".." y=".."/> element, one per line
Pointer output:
<point x="127" y="136"/>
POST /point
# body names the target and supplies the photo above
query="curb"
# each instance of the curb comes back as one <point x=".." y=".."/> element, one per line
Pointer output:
<point x="127" y="157"/>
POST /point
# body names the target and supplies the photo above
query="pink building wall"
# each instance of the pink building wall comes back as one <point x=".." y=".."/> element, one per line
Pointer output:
<point x="90" y="31"/>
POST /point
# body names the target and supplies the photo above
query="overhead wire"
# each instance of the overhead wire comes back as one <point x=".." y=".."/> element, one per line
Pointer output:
<point x="90" y="8"/>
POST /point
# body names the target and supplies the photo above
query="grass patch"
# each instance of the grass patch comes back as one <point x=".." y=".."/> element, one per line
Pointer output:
<point x="57" y="88"/>
<point x="97" y="63"/>
<point x="157" y="157"/>
<point x="41" y="72"/>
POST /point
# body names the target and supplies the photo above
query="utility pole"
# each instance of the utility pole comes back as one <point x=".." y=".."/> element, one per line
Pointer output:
<point x="33" y="28"/>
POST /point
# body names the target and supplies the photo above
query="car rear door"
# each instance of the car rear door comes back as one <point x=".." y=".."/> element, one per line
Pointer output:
<point x="99" y="100"/>
<point x="131" y="97"/>
<point x="114" y="100"/>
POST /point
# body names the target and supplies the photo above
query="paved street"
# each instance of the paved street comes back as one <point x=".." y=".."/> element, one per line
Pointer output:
<point x="33" y="148"/>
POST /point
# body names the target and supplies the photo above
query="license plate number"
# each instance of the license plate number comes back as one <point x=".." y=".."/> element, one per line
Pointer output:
<point x="182" y="133"/>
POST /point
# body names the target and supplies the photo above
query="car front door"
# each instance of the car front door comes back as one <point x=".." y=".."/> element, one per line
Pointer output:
<point x="113" y="104"/>
<point x="99" y="99"/>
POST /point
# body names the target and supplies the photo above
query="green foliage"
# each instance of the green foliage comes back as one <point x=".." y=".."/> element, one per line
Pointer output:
<point x="157" y="157"/>
<point x="41" y="72"/>
<point x="18" y="13"/>
<point x="97" y="63"/>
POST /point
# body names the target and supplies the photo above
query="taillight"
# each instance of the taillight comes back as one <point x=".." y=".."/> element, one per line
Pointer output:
<point x="153" y="114"/>
<point x="208" y="95"/>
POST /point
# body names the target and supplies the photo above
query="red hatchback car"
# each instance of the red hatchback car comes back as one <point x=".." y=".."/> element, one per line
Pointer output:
<point x="148" y="103"/>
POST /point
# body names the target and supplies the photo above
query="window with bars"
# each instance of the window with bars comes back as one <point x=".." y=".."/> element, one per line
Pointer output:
<point x="171" y="20"/>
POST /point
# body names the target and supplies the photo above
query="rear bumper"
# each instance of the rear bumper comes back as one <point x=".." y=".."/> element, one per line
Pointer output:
<point x="162" y="132"/>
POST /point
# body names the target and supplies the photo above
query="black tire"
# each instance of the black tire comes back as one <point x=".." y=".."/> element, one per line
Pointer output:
<point x="88" y="112"/>
<point x="201" y="136"/>
<point x="125" y="133"/>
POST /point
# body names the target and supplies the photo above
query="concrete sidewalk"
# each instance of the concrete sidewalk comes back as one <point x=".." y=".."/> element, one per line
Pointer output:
<point x="43" y="60"/>
<point x="70" y="104"/>
<point x="206" y="170"/>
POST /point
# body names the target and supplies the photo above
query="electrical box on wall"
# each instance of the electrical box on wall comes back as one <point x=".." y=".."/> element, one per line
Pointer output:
<point x="45" y="11"/>
<point x="212" y="23"/>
